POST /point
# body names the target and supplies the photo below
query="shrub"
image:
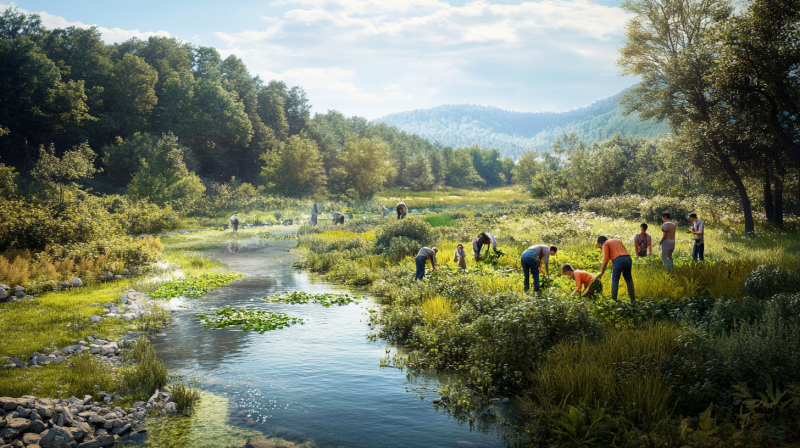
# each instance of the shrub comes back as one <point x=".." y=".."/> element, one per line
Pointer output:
<point x="403" y="247"/>
<point x="440" y="221"/>
<point x="144" y="372"/>
<point x="410" y="228"/>
<point x="764" y="282"/>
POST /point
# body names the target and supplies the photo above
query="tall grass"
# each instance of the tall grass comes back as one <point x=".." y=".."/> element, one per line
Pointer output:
<point x="436" y="308"/>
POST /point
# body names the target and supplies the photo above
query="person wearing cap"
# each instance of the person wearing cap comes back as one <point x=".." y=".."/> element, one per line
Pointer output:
<point x="621" y="264"/>
<point x="483" y="239"/>
<point x="583" y="280"/>
<point x="531" y="260"/>
<point x="425" y="254"/>
<point x="401" y="210"/>
<point x="699" y="248"/>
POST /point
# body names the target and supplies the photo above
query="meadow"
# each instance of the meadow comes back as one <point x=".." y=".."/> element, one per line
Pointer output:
<point x="685" y="365"/>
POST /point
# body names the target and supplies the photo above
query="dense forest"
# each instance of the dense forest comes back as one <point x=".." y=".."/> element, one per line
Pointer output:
<point x="513" y="133"/>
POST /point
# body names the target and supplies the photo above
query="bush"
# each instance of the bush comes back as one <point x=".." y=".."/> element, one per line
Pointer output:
<point x="764" y="282"/>
<point x="410" y="228"/>
<point x="403" y="247"/>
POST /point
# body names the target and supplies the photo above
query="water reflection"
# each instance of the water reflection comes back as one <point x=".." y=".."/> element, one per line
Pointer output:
<point x="318" y="382"/>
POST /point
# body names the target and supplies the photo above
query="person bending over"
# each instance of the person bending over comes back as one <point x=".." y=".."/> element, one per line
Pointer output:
<point x="402" y="210"/>
<point x="425" y="254"/>
<point x="483" y="239"/>
<point x="583" y="280"/>
<point x="532" y="260"/>
<point x="621" y="264"/>
<point x="338" y="218"/>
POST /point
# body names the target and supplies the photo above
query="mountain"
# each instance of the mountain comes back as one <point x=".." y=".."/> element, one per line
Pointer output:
<point x="515" y="132"/>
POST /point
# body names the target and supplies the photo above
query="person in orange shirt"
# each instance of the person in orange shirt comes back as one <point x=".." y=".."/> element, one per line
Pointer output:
<point x="621" y="264"/>
<point x="582" y="278"/>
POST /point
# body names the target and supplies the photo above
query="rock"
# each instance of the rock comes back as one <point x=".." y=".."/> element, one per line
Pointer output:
<point x="79" y="430"/>
<point x="171" y="408"/>
<point x="101" y="441"/>
<point x="19" y="424"/>
<point x="117" y="423"/>
<point x="18" y="363"/>
<point x="77" y="282"/>
<point x="39" y="359"/>
<point x="139" y="415"/>
<point x="128" y="317"/>
<point x="31" y="439"/>
<point x="9" y="434"/>
<point x="121" y="431"/>
<point x="504" y="400"/>
<point x="62" y="285"/>
<point x="22" y="412"/>
<point x="37" y="426"/>
<point x="58" y="438"/>
<point x="3" y="294"/>
<point x="19" y="291"/>
<point x="71" y="349"/>
<point x="108" y="305"/>
<point x="95" y="319"/>
<point x="138" y="404"/>
<point x="96" y="419"/>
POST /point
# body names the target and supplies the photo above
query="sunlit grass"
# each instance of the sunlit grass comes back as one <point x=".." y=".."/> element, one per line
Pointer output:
<point x="450" y="197"/>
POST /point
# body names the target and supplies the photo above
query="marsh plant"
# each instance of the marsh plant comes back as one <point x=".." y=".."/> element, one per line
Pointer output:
<point x="248" y="318"/>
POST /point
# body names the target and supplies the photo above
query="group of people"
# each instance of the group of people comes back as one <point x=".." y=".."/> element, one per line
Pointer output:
<point x="536" y="258"/>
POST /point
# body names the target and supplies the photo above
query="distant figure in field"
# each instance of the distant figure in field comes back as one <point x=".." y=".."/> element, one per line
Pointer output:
<point x="234" y="220"/>
<point x="483" y="239"/>
<point x="532" y="260"/>
<point x="461" y="256"/>
<point x="643" y="242"/>
<point x="667" y="240"/>
<point x="425" y="254"/>
<point x="402" y="210"/>
<point x="584" y="281"/>
<point x="314" y="214"/>
<point x="699" y="248"/>
<point x="384" y="211"/>
<point x="621" y="264"/>
<point x="338" y="218"/>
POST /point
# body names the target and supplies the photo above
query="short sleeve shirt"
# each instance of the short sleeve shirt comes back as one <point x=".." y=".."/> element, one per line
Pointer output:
<point x="697" y="226"/>
<point x="428" y="253"/>
<point x="543" y="252"/>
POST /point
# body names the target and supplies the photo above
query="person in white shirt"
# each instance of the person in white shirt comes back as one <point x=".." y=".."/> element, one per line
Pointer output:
<point x="699" y="248"/>
<point x="483" y="239"/>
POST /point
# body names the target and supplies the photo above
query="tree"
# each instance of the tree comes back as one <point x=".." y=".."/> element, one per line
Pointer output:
<point x="461" y="172"/>
<point x="664" y="46"/>
<point x="131" y="95"/>
<point x="59" y="175"/>
<point x="525" y="169"/>
<point x="7" y="175"/>
<point x="366" y="166"/>
<point x="160" y="169"/>
<point x="294" y="168"/>
<point x="419" y="173"/>
<point x="122" y="158"/>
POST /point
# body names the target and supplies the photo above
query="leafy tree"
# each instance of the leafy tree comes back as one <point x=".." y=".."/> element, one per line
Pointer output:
<point x="189" y="186"/>
<point x="14" y="24"/>
<point x="461" y="171"/>
<point x="271" y="109"/>
<point x="296" y="107"/>
<point x="294" y="168"/>
<point x="488" y="165"/>
<point x="525" y="169"/>
<point x="419" y="173"/>
<point x="366" y="166"/>
<point x="121" y="159"/>
<point x="58" y="175"/>
<point x="7" y="175"/>
<point x="161" y="167"/>
<point x="131" y="96"/>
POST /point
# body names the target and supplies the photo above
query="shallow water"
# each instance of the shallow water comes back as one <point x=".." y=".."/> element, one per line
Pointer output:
<point x="318" y="383"/>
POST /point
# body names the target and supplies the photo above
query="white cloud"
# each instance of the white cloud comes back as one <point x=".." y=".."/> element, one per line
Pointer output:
<point x="110" y="35"/>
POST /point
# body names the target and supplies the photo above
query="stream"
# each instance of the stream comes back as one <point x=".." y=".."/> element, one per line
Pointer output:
<point x="317" y="384"/>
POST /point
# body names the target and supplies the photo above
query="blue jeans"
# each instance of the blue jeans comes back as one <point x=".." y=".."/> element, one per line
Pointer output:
<point x="667" y="247"/>
<point x="698" y="251"/>
<point x="530" y="265"/>
<point x="420" y="262"/>
<point x="622" y="265"/>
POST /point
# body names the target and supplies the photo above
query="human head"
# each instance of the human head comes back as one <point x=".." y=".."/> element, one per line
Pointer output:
<point x="643" y="226"/>
<point x="460" y="246"/>
<point x="553" y="250"/>
<point x="567" y="269"/>
<point x="665" y="216"/>
<point x="601" y="240"/>
<point x="692" y="216"/>
<point x="435" y="249"/>
<point x="482" y="237"/>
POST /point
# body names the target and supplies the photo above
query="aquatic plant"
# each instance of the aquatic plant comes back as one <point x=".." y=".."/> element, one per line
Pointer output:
<point x="301" y="297"/>
<point x="249" y="318"/>
<point x="437" y="307"/>
<point x="194" y="287"/>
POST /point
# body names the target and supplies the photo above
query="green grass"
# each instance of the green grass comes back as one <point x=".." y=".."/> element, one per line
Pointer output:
<point x="450" y="197"/>
<point x="440" y="220"/>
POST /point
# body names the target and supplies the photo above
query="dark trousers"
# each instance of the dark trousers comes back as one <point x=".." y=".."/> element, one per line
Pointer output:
<point x="698" y="251"/>
<point x="622" y="265"/>
<point x="530" y="265"/>
<point x="420" y="262"/>
<point x="314" y="219"/>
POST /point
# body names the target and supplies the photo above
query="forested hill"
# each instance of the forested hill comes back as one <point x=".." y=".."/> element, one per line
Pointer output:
<point x="515" y="132"/>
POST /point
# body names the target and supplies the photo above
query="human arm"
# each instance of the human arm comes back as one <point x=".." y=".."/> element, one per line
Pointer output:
<point x="606" y="257"/>
<point x="649" y="246"/>
<point x="433" y="263"/>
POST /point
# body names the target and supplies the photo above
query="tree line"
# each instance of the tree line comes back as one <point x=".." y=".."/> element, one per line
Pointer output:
<point x="172" y="120"/>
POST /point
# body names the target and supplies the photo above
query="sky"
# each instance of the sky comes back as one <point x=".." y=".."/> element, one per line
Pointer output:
<point x="375" y="57"/>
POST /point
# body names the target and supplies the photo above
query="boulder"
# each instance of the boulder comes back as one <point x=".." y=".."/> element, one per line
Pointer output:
<point x="37" y="427"/>
<point x="100" y="441"/>
<point x="58" y="438"/>
<point x="31" y="439"/>
<point x="19" y="424"/>
<point x="3" y="294"/>
<point x="95" y="319"/>
<point x="79" y="430"/>
<point x="19" y="291"/>
<point x="77" y="282"/>
<point x="121" y="431"/>
<point x="171" y="408"/>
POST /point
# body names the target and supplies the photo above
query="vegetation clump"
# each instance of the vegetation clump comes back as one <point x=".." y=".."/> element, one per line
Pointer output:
<point x="249" y="318"/>
<point x="300" y="297"/>
<point x="194" y="287"/>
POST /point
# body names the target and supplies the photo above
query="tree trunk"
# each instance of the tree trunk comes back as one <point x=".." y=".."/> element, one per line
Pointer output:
<point x="769" y="210"/>
<point x="778" y="213"/>
<point x="749" y="227"/>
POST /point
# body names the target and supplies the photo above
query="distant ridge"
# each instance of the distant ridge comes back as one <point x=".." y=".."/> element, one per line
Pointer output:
<point x="516" y="132"/>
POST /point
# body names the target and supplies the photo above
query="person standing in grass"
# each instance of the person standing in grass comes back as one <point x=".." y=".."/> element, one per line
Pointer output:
<point x="532" y="259"/>
<point x="699" y="248"/>
<point x="483" y="239"/>
<point x="584" y="281"/>
<point x="402" y="210"/>
<point x="621" y="264"/>
<point x="234" y="220"/>
<point x="643" y="242"/>
<point x="461" y="256"/>
<point x="425" y="254"/>
<point x="667" y="241"/>
<point x="314" y="214"/>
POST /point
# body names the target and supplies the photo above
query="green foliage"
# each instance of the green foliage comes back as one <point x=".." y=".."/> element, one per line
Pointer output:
<point x="7" y="185"/>
<point x="294" y="168"/>
<point x="161" y="171"/>
<point x="195" y="286"/>
<point x="59" y="175"/>
<point x="412" y="229"/>
<point x="440" y="220"/>
<point x="249" y="318"/>
<point x="402" y="247"/>
<point x="764" y="282"/>
<point x="185" y="396"/>
<point x="144" y="372"/>
<point x="300" y="297"/>
<point x="367" y="167"/>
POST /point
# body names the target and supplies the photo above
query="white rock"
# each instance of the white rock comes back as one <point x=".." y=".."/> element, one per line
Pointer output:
<point x="95" y="319"/>
<point x="76" y="282"/>
<point x="171" y="408"/>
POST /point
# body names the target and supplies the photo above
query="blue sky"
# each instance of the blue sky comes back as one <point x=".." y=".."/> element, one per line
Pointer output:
<point x="374" y="57"/>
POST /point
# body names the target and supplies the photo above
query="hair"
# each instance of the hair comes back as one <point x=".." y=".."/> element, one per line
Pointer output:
<point x="460" y="245"/>
<point x="566" y="267"/>
<point x="601" y="240"/>
<point x="435" y="249"/>
<point x="644" y="225"/>
<point x="693" y="215"/>
<point x="665" y="214"/>
<point x="482" y="235"/>
<point x="554" y="248"/>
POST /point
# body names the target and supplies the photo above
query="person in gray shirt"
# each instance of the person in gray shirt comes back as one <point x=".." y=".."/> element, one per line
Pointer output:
<point x="425" y="254"/>
<point x="532" y="259"/>
<point x="699" y="249"/>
